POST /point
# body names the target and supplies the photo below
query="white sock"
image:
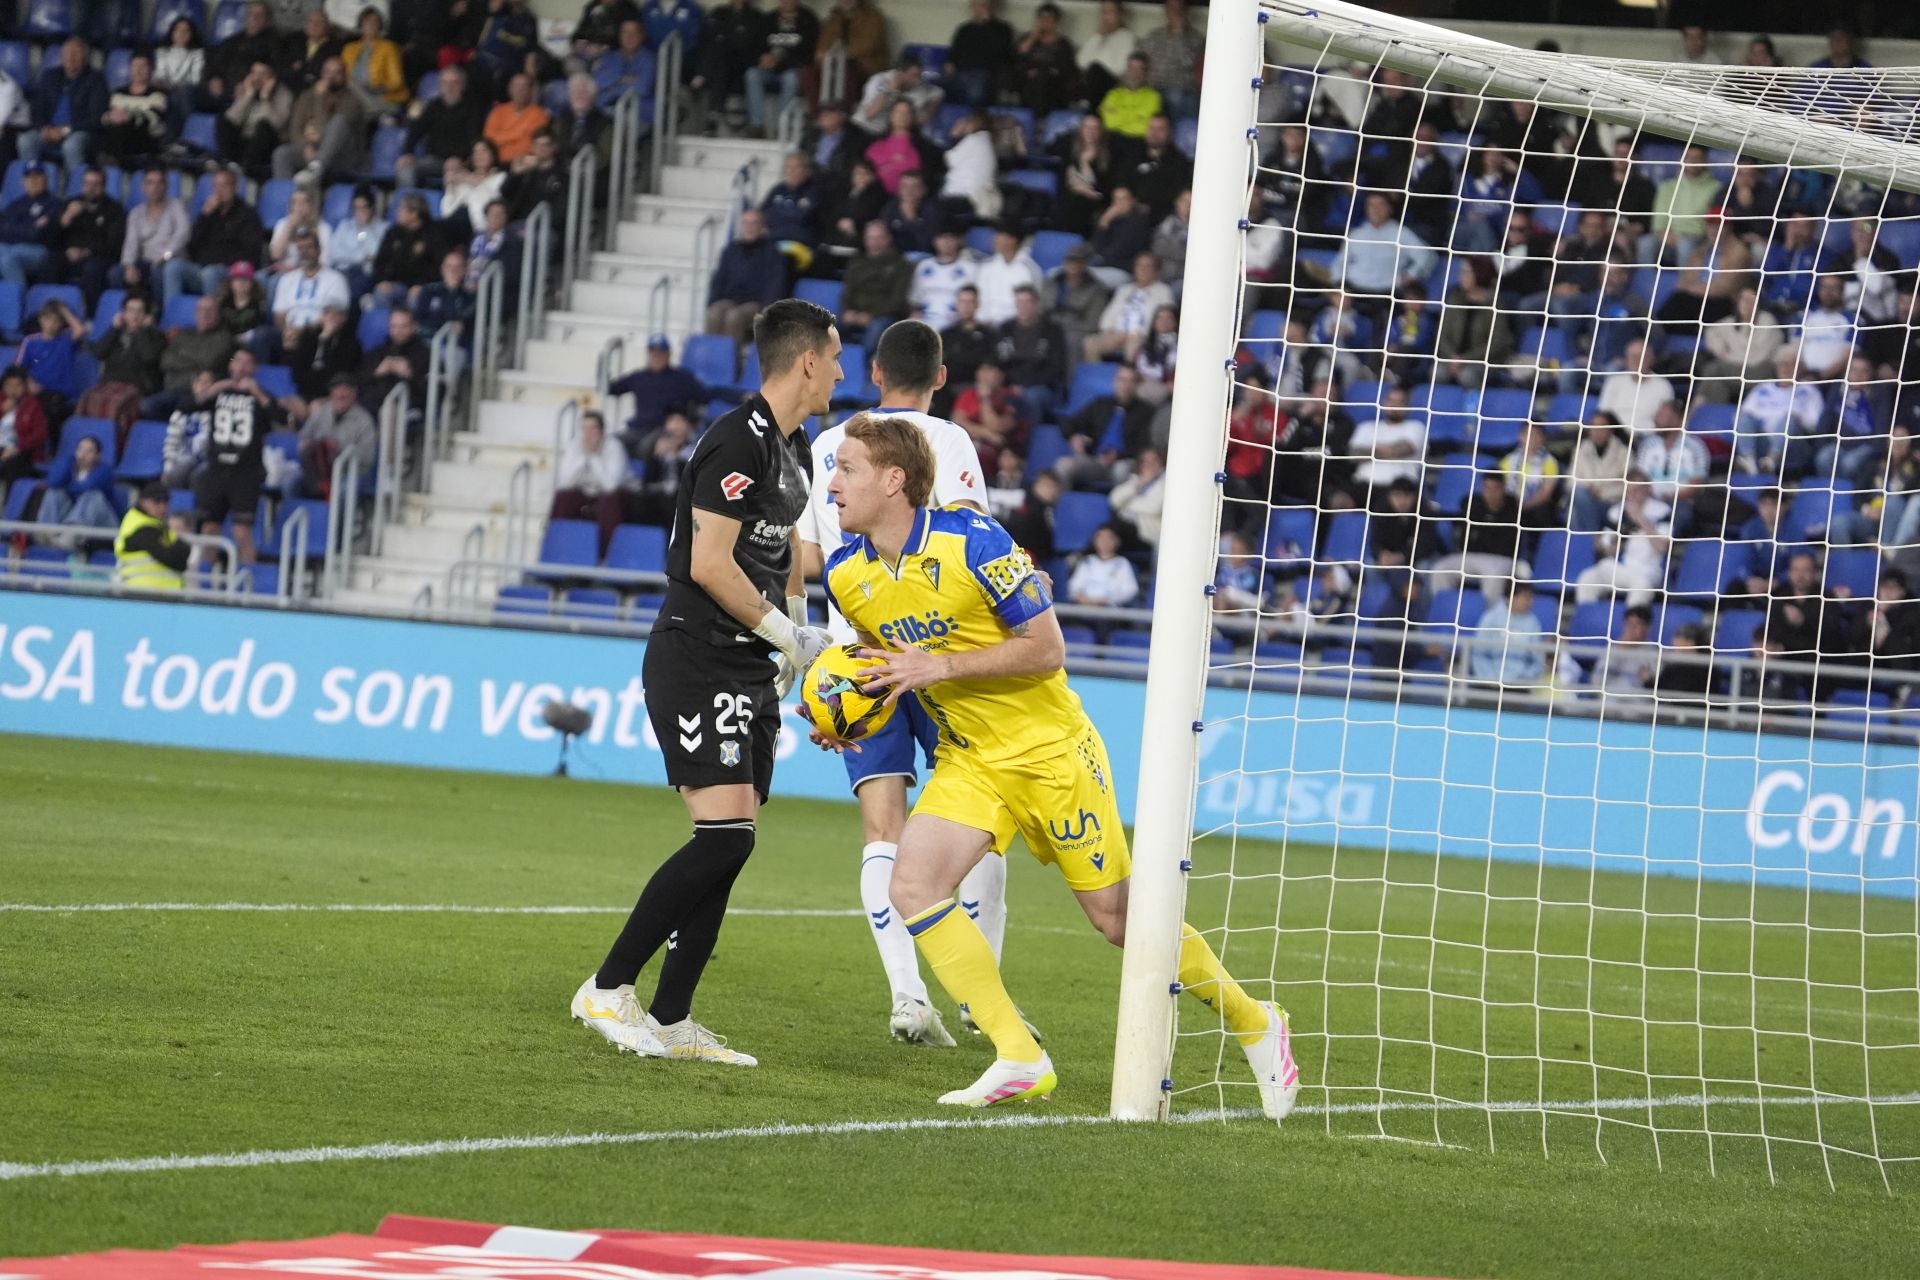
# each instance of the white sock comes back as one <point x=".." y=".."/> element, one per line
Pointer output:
<point x="897" y="954"/>
<point x="984" y="896"/>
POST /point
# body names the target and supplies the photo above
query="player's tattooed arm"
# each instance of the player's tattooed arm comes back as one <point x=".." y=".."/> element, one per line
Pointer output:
<point x="1024" y="630"/>
<point x="715" y="571"/>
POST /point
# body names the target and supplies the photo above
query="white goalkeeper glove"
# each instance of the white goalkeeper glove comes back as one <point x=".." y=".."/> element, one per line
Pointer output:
<point x="798" y="643"/>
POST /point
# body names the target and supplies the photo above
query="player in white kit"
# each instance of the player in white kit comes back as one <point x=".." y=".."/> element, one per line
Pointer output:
<point x="908" y="369"/>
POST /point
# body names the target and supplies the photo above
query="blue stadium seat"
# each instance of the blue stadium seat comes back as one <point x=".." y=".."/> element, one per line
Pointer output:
<point x="1807" y="515"/>
<point x="1186" y="134"/>
<point x="645" y="606"/>
<point x="749" y="379"/>
<point x="1855" y="568"/>
<point x="980" y="240"/>
<point x="1451" y="482"/>
<point x="263" y="579"/>
<point x="276" y="380"/>
<point x="48" y="19"/>
<point x="1902" y="237"/>
<point x="709" y="357"/>
<point x="1267" y="326"/>
<point x="596" y="604"/>
<point x="571" y="542"/>
<point x="1673" y="617"/>
<point x="336" y="206"/>
<point x="105" y="310"/>
<point x="1346" y="538"/>
<point x="275" y="195"/>
<point x="16" y="60"/>
<point x="1135" y="642"/>
<point x="638" y="548"/>
<point x="165" y="12"/>
<point x="229" y="19"/>
<point x="1022" y="116"/>
<point x="372" y="329"/>
<point x="178" y="313"/>
<point x="180" y="502"/>
<point x="1039" y="181"/>
<point x="1090" y="382"/>
<point x="1290" y="535"/>
<point x="522" y="602"/>
<point x="202" y="189"/>
<point x="1046" y="445"/>
<point x="856" y="380"/>
<point x="1049" y="248"/>
<point x="1075" y="519"/>
<point x="1547" y="344"/>
<point x="1461" y="609"/>
<point x="9" y="308"/>
<point x="1595" y="620"/>
<point x="1059" y="124"/>
<point x="1734" y="629"/>
<point x="822" y="293"/>
<point x="1706" y="566"/>
<point x="1569" y="409"/>
<point x="101" y="429"/>
<point x="428" y="88"/>
<point x="118" y="69"/>
<point x="146" y="452"/>
<point x="19" y="494"/>
<point x="115" y="179"/>
<point x="317" y="528"/>
<point x="201" y="130"/>
<point x="430" y="196"/>
<point x="384" y="155"/>
<point x="284" y="443"/>
<point x="14" y="185"/>
<point x="1560" y="559"/>
<point x="40" y="295"/>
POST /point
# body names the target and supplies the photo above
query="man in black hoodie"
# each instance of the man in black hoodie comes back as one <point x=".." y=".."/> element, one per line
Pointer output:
<point x="448" y="126"/>
<point x="228" y="231"/>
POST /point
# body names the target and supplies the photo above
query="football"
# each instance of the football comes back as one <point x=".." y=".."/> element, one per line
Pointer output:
<point x="833" y="699"/>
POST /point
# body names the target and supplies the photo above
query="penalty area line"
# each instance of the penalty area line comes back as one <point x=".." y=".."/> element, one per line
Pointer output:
<point x="20" y="1172"/>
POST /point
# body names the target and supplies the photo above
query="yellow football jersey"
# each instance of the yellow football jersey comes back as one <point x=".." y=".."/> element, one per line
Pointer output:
<point x="961" y="584"/>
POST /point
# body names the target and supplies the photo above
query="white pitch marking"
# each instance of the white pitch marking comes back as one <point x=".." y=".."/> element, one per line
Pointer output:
<point x="389" y="908"/>
<point x="17" y="1172"/>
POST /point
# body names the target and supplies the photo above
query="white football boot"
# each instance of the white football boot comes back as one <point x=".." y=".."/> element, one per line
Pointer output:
<point x="918" y="1022"/>
<point x="688" y="1041"/>
<point x="1006" y="1082"/>
<point x="617" y="1016"/>
<point x="1274" y="1070"/>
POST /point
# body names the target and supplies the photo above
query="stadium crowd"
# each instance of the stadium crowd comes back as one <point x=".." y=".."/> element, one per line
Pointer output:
<point x="1504" y="376"/>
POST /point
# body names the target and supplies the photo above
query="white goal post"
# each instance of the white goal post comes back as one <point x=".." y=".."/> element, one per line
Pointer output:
<point x="1858" y="128"/>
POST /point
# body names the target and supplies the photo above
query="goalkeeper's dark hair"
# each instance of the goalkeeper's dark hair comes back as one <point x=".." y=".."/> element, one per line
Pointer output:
<point x="788" y="329"/>
<point x="896" y="442"/>
<point x="909" y="356"/>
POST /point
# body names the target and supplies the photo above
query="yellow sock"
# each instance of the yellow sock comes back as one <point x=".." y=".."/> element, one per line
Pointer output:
<point x="963" y="961"/>
<point x="1203" y="978"/>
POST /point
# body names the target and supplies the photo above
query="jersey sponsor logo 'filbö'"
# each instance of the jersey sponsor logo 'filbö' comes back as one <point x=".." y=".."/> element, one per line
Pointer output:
<point x="918" y="630"/>
<point x="735" y="485"/>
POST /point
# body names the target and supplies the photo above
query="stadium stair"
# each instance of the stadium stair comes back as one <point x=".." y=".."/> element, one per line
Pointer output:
<point x="470" y="487"/>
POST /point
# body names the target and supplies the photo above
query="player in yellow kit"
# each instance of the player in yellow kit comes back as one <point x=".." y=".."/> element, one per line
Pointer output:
<point x="961" y="619"/>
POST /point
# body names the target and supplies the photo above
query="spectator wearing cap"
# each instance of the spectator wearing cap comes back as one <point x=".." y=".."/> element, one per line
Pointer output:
<point x="336" y="423"/>
<point x="1077" y="298"/>
<point x="1033" y="350"/>
<point x="751" y="274"/>
<point x="157" y="230"/>
<point x="660" y="388"/>
<point x="862" y="29"/>
<point x="243" y="303"/>
<point x="148" y="552"/>
<point x="972" y="183"/>
<point x="980" y="55"/>
<point x="324" y="352"/>
<point x="591" y="480"/>
<point x="375" y="72"/>
<point x="206" y="346"/>
<point x="792" y="206"/>
<point x="67" y="104"/>
<point x="1107" y="435"/>
<point x="226" y="234"/>
<point x="1008" y="269"/>
<point x="27" y="229"/>
<point x="876" y="288"/>
<point x="629" y="65"/>
<point x="327" y="131"/>
<point x="1126" y="108"/>
<point x="446" y="127"/>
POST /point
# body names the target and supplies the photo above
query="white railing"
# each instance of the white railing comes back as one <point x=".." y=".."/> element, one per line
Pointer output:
<point x="296" y="532"/>
<point x="486" y="338"/>
<point x="610" y="365"/>
<point x="792" y="124"/>
<point x="666" y="106"/>
<point x="621" y="171"/>
<point x="443" y="381"/>
<point x="389" y="464"/>
<point x="833" y="73"/>
<point x="537" y="251"/>
<point x="14" y="574"/>
<point x="578" y="243"/>
<point x="707" y="242"/>
<point x="343" y="496"/>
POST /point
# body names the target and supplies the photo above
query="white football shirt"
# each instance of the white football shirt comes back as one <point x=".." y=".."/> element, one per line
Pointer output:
<point x="957" y="478"/>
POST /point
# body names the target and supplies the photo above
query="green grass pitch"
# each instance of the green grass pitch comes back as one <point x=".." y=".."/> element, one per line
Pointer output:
<point x="137" y="1034"/>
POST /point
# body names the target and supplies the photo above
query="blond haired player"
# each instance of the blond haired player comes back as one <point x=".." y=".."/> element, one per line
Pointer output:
<point x="961" y="619"/>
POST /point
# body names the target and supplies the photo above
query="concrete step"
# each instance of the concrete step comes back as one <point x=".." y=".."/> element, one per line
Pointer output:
<point x="517" y="422"/>
<point x="678" y="211"/>
<point x="485" y="485"/>
<point x="390" y="578"/>
<point x="471" y="447"/>
<point x="574" y="361"/>
<point x="687" y="183"/>
<point x="726" y="153"/>
<point x="594" y="328"/>
<point x="630" y="302"/>
<point x="519" y="386"/>
<point x="640" y="272"/>
<point x="443" y="544"/>
<point x="676" y="240"/>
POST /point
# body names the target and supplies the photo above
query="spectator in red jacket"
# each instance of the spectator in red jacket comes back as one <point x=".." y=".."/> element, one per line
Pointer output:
<point x="23" y="427"/>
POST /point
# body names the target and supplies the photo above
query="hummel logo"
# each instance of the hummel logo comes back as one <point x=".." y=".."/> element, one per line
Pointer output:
<point x="673" y="940"/>
<point x="690" y="744"/>
<point x="689" y="724"/>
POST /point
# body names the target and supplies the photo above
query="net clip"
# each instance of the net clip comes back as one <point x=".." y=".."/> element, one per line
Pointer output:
<point x="1175" y="988"/>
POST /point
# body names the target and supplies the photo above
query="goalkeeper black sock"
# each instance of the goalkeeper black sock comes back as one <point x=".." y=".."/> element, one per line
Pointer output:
<point x="676" y="898"/>
<point x="688" y="951"/>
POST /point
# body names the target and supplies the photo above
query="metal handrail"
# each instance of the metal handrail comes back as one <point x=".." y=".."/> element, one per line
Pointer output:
<point x="486" y="338"/>
<point x="659" y="304"/>
<point x="342" y="494"/>
<point x="578" y="241"/>
<point x="566" y="425"/>
<point x="537" y="238"/>
<point x="746" y="187"/>
<point x="792" y="125"/>
<point x="390" y="463"/>
<point x="519" y="510"/>
<point x="293" y="567"/>
<point x="230" y="583"/>
<point x="666" y="105"/>
<point x="833" y="73"/>
<point x="706" y="252"/>
<point x="626" y="153"/>
<point x="611" y="364"/>
<point x="441" y="385"/>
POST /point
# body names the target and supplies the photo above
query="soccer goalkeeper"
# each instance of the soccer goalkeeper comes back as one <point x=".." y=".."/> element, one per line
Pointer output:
<point x="960" y="618"/>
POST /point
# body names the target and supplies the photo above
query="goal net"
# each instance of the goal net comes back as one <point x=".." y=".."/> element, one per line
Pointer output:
<point x="1543" y="446"/>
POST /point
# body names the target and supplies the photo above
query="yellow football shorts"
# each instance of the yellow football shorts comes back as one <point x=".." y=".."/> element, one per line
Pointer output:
<point x="1062" y="803"/>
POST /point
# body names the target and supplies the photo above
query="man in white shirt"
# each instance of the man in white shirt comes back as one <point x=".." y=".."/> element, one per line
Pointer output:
<point x="300" y="296"/>
<point x="972" y="167"/>
<point x="1104" y="576"/>
<point x="906" y="81"/>
<point x="1389" y="447"/>
<point x="1771" y="413"/>
<point x="939" y="279"/>
<point x="1129" y="313"/>
<point x="907" y="369"/>
<point x="998" y="277"/>
<point x="1674" y="463"/>
<point x="1381" y="252"/>
<point x="1694" y="49"/>
<point x="592" y="481"/>
<point x="1826" y="331"/>
<point x="1636" y="391"/>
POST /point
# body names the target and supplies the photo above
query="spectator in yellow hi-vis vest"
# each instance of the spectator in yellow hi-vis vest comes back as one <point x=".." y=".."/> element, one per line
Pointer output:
<point x="150" y="555"/>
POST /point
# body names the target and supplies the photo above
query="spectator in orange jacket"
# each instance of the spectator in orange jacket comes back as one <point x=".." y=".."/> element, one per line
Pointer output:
<point x="512" y="124"/>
